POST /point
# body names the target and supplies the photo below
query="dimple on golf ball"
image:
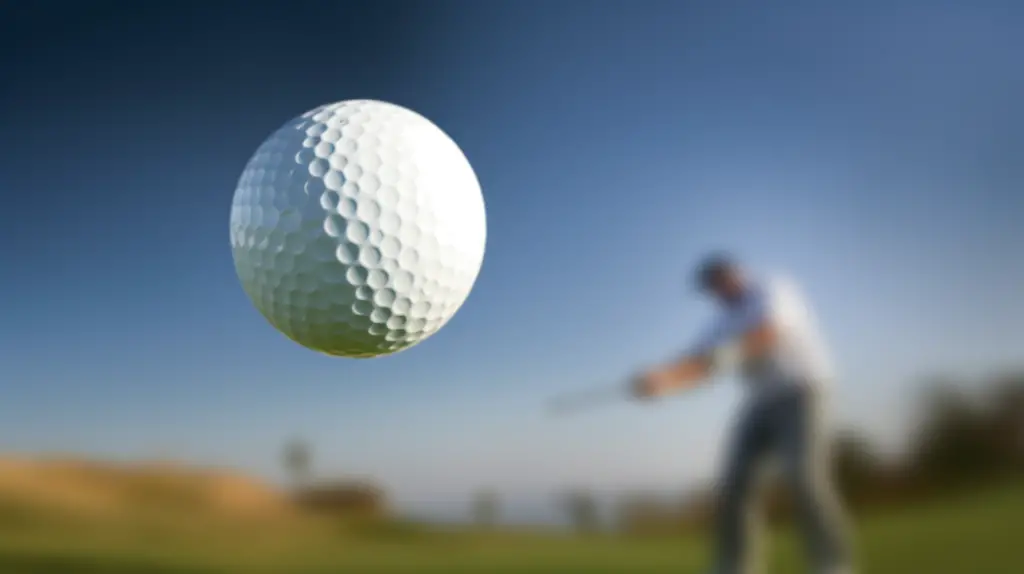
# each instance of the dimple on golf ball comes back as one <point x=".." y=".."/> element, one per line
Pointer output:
<point x="358" y="228"/>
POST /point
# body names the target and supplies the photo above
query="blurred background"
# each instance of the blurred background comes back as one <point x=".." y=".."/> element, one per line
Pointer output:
<point x="153" y="421"/>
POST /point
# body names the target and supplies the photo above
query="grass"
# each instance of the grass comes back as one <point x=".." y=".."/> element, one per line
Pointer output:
<point x="976" y="534"/>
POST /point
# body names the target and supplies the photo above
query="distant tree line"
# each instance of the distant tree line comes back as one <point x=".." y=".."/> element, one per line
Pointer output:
<point x="962" y="439"/>
<point x="486" y="508"/>
<point x="351" y="498"/>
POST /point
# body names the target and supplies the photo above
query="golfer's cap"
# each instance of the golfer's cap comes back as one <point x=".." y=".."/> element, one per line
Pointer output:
<point x="711" y="267"/>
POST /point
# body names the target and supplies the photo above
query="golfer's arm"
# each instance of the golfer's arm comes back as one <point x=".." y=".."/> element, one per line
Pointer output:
<point x="759" y="340"/>
<point x="697" y="368"/>
<point x="691" y="370"/>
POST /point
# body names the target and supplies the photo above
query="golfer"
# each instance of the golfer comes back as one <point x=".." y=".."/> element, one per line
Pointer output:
<point x="767" y="332"/>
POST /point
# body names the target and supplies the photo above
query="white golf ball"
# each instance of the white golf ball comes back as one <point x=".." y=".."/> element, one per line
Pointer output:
<point x="358" y="228"/>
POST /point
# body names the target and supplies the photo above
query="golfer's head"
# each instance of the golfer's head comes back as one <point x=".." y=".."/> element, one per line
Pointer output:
<point x="721" y="277"/>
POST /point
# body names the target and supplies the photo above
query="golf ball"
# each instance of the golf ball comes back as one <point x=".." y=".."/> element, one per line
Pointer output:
<point x="358" y="228"/>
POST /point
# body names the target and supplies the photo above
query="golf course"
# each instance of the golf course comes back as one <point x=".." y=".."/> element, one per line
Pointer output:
<point x="76" y="518"/>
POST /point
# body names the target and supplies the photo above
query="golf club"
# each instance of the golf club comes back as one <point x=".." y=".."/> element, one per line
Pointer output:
<point x="586" y="399"/>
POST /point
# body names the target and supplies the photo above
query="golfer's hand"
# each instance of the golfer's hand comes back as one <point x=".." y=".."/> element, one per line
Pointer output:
<point x="653" y="384"/>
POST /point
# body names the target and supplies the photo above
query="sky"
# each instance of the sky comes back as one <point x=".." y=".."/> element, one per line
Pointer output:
<point x="873" y="150"/>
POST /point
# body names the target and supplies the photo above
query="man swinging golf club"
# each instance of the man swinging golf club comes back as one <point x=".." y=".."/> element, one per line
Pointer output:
<point x="766" y="331"/>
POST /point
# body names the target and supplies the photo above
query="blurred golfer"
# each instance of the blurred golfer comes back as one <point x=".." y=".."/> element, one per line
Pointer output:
<point x="767" y="332"/>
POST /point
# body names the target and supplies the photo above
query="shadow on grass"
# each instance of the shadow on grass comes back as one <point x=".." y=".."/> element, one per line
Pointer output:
<point x="39" y="563"/>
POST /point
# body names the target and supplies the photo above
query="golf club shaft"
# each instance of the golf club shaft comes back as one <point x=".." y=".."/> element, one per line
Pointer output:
<point x="589" y="398"/>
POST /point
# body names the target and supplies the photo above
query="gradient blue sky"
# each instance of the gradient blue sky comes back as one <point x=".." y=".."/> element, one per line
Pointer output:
<point x="873" y="149"/>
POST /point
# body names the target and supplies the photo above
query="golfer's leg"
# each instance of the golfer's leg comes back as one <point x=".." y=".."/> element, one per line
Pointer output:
<point x="737" y="529"/>
<point x="805" y="447"/>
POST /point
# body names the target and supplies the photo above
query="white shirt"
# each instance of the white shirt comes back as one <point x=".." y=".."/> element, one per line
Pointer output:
<point x="800" y="355"/>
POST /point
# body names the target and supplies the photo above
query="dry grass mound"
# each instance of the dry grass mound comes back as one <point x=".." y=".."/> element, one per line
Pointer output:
<point x="108" y="490"/>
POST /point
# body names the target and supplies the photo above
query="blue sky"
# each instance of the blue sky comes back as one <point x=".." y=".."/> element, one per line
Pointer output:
<point x="874" y="150"/>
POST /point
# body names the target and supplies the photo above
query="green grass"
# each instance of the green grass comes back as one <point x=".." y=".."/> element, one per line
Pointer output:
<point x="977" y="534"/>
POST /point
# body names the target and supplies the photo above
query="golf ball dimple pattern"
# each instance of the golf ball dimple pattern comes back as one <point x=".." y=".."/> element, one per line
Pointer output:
<point x="358" y="228"/>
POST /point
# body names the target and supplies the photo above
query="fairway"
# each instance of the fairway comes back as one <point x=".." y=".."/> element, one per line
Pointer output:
<point x="977" y="534"/>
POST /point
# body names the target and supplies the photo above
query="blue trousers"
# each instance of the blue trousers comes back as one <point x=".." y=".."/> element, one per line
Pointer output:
<point x="789" y="423"/>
